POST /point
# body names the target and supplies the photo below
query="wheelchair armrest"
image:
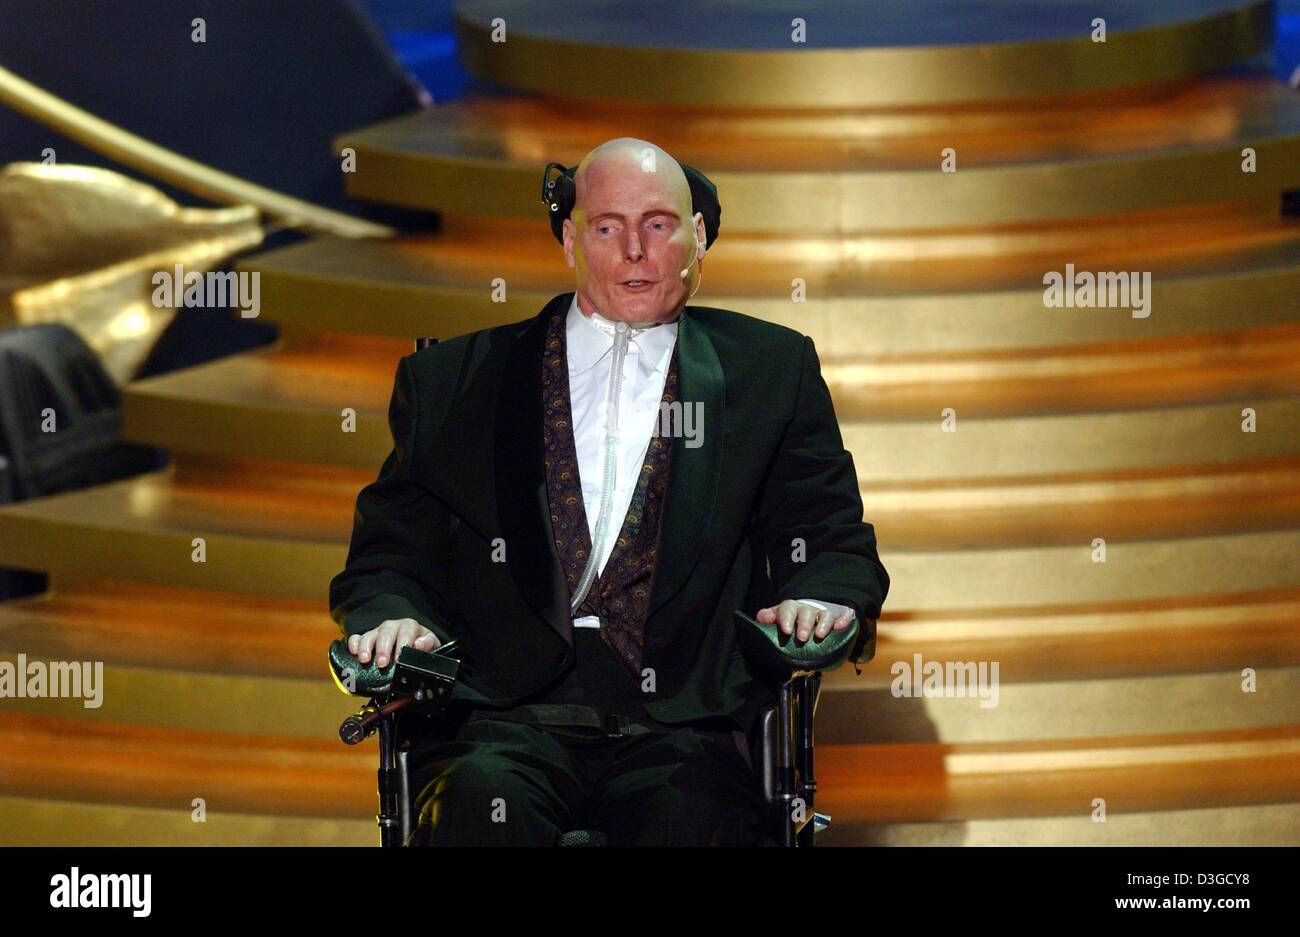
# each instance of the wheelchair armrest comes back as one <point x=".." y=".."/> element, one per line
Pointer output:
<point x="428" y="676"/>
<point x="772" y="649"/>
<point x="355" y="678"/>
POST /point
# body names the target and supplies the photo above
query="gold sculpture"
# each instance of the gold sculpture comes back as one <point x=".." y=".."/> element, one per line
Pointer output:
<point x="90" y="248"/>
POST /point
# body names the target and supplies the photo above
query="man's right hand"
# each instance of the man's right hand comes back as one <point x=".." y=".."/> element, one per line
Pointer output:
<point x="389" y="638"/>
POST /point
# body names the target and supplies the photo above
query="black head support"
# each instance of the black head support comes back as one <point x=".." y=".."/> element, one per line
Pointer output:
<point x="559" y="192"/>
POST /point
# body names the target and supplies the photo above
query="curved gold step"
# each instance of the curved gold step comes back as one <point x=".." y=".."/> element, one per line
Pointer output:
<point x="1244" y="366"/>
<point x="182" y="658"/>
<point x="287" y="404"/>
<point x="484" y="127"/>
<point x="1126" y="505"/>
<point x="738" y="55"/>
<point x="974" y="299"/>
<point x="1182" y="240"/>
<point x="325" y="401"/>
<point x="186" y="659"/>
<point x="981" y="701"/>
<point x="484" y="156"/>
<point x="185" y="700"/>
<point x="995" y="577"/>
<point x="281" y="529"/>
<point x="1245" y="825"/>
<point x="33" y="821"/>
<point x="1058" y="444"/>
<point x="154" y="626"/>
<point x="1088" y="668"/>
<point x="157" y="627"/>
<point x="145" y="767"/>
<point x="921" y="782"/>
<point x="1094" y="639"/>
<point x="269" y="528"/>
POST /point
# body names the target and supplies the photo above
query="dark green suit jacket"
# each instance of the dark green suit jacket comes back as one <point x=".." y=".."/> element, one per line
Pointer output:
<point x="465" y="485"/>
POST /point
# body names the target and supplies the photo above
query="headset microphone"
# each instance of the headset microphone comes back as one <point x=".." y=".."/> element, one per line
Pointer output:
<point x="695" y="258"/>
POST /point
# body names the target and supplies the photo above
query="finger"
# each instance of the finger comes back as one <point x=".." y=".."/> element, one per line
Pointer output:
<point x="353" y="641"/>
<point x="384" y="644"/>
<point x="805" y="621"/>
<point x="366" y="645"/>
<point x="407" y="632"/>
<point x="825" y="617"/>
<point x="785" y="612"/>
<point x="766" y="615"/>
<point x="842" y="623"/>
<point x="417" y="636"/>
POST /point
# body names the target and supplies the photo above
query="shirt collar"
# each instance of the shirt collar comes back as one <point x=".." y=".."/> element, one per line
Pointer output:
<point x="586" y="342"/>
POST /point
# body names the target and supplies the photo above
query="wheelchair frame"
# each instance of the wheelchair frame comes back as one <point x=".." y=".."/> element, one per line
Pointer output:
<point x="783" y="753"/>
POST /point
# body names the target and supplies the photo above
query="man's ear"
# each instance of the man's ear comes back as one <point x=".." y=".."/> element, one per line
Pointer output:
<point x="570" y="237"/>
<point x="701" y="235"/>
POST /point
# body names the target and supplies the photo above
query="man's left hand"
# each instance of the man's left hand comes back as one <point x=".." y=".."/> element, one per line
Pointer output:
<point x="792" y="613"/>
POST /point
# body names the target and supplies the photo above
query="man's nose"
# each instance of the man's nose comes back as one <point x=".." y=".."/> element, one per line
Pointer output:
<point x="633" y="245"/>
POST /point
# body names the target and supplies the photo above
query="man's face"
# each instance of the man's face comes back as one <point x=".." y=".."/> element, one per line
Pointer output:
<point x="629" y="238"/>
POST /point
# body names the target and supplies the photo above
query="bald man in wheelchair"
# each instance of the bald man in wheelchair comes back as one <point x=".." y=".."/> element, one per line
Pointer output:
<point x="583" y="500"/>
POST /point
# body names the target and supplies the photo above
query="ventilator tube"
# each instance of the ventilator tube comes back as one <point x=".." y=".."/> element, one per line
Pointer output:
<point x="610" y="474"/>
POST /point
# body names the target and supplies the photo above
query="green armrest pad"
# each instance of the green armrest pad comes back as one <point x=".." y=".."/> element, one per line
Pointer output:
<point x="771" y="648"/>
<point x="367" y="679"/>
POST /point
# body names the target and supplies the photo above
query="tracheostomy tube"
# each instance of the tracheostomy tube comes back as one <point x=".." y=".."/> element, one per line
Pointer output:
<point x="609" y="475"/>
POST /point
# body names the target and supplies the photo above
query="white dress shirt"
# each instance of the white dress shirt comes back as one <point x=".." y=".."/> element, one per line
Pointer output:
<point x="590" y="350"/>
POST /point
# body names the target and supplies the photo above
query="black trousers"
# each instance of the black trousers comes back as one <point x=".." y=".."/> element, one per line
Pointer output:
<point x="500" y="782"/>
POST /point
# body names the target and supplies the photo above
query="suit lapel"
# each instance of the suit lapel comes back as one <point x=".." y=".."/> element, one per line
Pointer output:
<point x="523" y="509"/>
<point x="520" y="472"/>
<point x="693" y="477"/>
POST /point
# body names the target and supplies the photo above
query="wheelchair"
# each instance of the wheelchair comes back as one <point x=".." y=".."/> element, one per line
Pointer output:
<point x="406" y="700"/>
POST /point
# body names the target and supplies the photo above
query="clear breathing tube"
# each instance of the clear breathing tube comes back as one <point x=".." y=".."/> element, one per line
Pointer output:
<point x="610" y="465"/>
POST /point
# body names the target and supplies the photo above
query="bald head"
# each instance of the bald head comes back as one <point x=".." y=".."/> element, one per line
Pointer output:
<point x="632" y="233"/>
<point x="629" y="154"/>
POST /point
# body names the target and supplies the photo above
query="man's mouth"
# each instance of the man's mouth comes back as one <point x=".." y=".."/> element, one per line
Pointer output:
<point x="637" y="284"/>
